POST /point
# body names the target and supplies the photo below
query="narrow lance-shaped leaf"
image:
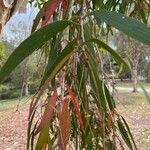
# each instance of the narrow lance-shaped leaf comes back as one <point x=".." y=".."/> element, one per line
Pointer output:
<point x="71" y="94"/>
<point x="53" y="54"/>
<point x="65" y="5"/>
<point x="109" y="121"/>
<point x="48" y="112"/>
<point x="62" y="58"/>
<point x="32" y="136"/>
<point x="43" y="138"/>
<point x="51" y="71"/>
<point x="124" y="133"/>
<point x="32" y="43"/>
<point x="110" y="100"/>
<point x="64" y="124"/>
<point x="50" y="10"/>
<point x="31" y="107"/>
<point x="114" y="54"/>
<point x="145" y="92"/>
<point x="41" y="14"/>
<point x="129" y="26"/>
<point x="29" y="133"/>
<point x="88" y="36"/>
<point x="79" y="1"/>
<point x="129" y="132"/>
<point x="96" y="82"/>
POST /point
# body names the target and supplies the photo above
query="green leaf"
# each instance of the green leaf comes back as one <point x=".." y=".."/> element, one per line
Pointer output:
<point x="32" y="43"/>
<point x="114" y="54"/>
<point x="60" y="61"/>
<point x="29" y="133"/>
<point x="88" y="36"/>
<point x="109" y="98"/>
<point x="128" y="130"/>
<point x="143" y="16"/>
<point x="145" y="92"/>
<point x="43" y="137"/>
<point x="32" y="137"/>
<point x="109" y="4"/>
<point x="129" y="26"/>
<point x="52" y="55"/>
<point x="124" y="133"/>
<point x="96" y="82"/>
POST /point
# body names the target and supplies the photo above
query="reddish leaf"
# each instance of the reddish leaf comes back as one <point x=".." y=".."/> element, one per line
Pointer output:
<point x="50" y="10"/>
<point x="48" y="112"/>
<point x="109" y="121"/>
<point x="44" y="146"/>
<point x="64" y="125"/>
<point x="65" y="5"/>
<point x="75" y="106"/>
<point x="79" y="1"/>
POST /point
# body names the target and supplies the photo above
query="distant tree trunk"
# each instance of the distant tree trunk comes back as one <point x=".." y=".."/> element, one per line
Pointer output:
<point x="148" y="76"/>
<point x="135" y="62"/>
<point x="135" y="78"/>
<point x="26" y="78"/>
<point x="26" y="89"/>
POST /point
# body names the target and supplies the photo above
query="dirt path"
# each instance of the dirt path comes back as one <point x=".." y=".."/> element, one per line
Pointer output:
<point x="13" y="127"/>
<point x="136" y="111"/>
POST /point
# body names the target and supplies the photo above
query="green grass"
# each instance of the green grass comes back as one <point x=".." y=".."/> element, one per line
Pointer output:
<point x="12" y="103"/>
<point x="132" y="98"/>
<point x="129" y="84"/>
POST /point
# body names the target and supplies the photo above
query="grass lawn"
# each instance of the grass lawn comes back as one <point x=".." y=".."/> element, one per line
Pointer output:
<point x="129" y="84"/>
<point x="12" y="103"/>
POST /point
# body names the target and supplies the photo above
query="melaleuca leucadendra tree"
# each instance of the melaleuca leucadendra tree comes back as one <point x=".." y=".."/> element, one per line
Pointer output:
<point x="73" y="108"/>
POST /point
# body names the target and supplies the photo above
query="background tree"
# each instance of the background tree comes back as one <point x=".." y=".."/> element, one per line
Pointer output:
<point x="132" y="51"/>
<point x="8" y="8"/>
<point x="25" y="77"/>
<point x="144" y="66"/>
<point x="2" y="53"/>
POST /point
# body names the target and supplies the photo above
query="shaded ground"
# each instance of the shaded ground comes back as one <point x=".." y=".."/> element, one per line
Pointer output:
<point x="13" y="127"/>
<point x="134" y="108"/>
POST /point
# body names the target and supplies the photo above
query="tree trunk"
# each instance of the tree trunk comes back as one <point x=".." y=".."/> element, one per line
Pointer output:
<point x="148" y="76"/>
<point x="26" y="89"/>
<point x="135" y="79"/>
<point x="8" y="8"/>
<point x="26" y="79"/>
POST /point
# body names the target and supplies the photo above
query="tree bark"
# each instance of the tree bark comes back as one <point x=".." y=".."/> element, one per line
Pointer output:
<point x="8" y="8"/>
<point x="26" y="89"/>
<point x="148" y="76"/>
<point x="135" y="79"/>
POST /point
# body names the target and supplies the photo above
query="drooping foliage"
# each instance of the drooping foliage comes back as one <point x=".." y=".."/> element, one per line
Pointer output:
<point x="75" y="106"/>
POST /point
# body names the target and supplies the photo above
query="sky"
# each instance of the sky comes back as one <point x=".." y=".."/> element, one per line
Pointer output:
<point x="15" y="29"/>
<point x="18" y="21"/>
